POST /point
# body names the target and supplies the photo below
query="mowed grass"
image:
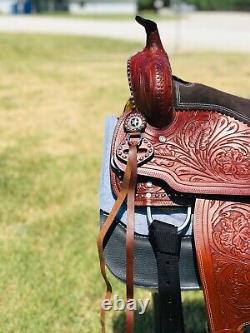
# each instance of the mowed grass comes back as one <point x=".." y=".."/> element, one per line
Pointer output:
<point x="113" y="17"/>
<point x="54" y="95"/>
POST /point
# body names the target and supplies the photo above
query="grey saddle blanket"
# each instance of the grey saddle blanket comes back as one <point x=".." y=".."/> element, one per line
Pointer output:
<point x="145" y="264"/>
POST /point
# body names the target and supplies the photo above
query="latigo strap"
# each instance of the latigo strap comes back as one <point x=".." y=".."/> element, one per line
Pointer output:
<point x="127" y="191"/>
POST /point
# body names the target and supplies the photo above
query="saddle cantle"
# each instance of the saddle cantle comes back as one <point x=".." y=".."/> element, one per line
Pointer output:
<point x="177" y="145"/>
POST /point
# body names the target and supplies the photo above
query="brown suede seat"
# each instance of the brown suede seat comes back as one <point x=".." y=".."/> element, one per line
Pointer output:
<point x="199" y="96"/>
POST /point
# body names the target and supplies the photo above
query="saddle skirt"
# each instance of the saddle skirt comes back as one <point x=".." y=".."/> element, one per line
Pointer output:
<point x="184" y="147"/>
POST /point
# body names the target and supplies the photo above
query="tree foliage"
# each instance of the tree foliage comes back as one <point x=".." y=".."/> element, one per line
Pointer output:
<point x="221" y="4"/>
<point x="145" y="5"/>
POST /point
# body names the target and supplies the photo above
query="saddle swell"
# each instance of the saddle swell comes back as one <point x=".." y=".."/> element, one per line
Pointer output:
<point x="182" y="144"/>
<point x="150" y="79"/>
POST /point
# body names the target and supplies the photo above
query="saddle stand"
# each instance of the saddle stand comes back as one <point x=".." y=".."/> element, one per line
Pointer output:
<point x="175" y="205"/>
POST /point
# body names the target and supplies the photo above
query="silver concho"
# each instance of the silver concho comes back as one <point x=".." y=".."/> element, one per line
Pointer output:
<point x="135" y="122"/>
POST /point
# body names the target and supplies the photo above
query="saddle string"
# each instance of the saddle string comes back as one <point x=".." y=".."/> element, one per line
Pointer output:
<point x="102" y="235"/>
<point x="128" y="189"/>
<point x="130" y="238"/>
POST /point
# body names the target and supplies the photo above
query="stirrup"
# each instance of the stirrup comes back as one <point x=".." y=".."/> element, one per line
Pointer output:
<point x="181" y="227"/>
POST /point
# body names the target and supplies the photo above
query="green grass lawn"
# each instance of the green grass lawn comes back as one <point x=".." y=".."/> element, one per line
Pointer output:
<point x="54" y="95"/>
<point x="116" y="17"/>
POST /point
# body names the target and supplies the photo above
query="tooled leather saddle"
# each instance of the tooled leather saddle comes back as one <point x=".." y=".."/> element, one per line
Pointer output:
<point x="176" y="183"/>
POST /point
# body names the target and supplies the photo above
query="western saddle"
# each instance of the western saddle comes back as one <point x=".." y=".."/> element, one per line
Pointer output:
<point x="176" y="213"/>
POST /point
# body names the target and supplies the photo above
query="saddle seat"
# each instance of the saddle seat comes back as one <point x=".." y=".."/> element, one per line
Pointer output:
<point x="199" y="96"/>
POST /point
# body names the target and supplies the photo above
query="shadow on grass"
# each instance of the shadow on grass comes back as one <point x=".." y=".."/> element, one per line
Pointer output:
<point x="143" y="323"/>
<point x="194" y="318"/>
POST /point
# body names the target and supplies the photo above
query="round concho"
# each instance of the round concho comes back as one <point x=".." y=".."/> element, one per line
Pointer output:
<point x="135" y="122"/>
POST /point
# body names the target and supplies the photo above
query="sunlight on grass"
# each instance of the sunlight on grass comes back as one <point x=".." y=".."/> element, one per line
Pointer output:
<point x="113" y="17"/>
<point x="54" y="95"/>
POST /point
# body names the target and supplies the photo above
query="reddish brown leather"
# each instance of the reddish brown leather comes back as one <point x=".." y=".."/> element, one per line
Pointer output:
<point x="205" y="152"/>
<point x="128" y="189"/>
<point x="222" y="234"/>
<point x="227" y="331"/>
<point x="147" y="193"/>
<point x="150" y="79"/>
<point x="103" y="233"/>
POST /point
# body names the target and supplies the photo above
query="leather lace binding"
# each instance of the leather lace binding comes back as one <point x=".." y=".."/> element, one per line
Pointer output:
<point x="128" y="190"/>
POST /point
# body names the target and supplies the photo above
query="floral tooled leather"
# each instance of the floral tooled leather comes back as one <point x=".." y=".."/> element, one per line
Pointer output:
<point x="233" y="161"/>
<point x="222" y="233"/>
<point x="203" y="152"/>
<point x="233" y="232"/>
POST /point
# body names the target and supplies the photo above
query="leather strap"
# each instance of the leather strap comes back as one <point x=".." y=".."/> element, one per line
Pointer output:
<point x="102" y="235"/>
<point x="128" y="188"/>
<point x="166" y="245"/>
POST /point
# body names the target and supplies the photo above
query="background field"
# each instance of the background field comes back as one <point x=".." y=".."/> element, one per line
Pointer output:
<point x="54" y="95"/>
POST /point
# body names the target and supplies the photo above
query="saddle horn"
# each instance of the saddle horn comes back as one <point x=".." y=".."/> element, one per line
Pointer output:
<point x="150" y="78"/>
